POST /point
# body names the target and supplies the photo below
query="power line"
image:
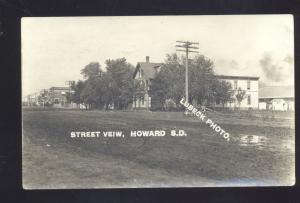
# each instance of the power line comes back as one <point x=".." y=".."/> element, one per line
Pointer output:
<point x="188" y="48"/>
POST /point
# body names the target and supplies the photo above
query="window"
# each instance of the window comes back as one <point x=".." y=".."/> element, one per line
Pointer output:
<point x="249" y="99"/>
<point x="56" y="101"/>
<point x="248" y="84"/>
<point x="142" y="99"/>
<point x="235" y="84"/>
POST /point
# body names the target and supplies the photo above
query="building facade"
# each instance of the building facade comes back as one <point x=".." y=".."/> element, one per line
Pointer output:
<point x="143" y="75"/>
<point x="245" y="83"/>
<point x="278" y="98"/>
<point x="53" y="97"/>
<point x="58" y="96"/>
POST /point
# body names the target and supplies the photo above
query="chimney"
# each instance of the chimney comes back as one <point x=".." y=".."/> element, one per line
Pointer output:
<point x="147" y="59"/>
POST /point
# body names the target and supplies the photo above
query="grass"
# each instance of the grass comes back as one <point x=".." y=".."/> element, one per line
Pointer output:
<point x="52" y="159"/>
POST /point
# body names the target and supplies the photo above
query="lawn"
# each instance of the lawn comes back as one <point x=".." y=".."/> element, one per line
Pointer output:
<point x="52" y="159"/>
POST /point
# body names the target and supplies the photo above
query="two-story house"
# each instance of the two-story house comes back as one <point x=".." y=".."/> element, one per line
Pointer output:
<point x="246" y="83"/>
<point x="143" y="75"/>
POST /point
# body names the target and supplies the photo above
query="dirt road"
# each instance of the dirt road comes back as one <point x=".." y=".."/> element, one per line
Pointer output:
<point x="260" y="151"/>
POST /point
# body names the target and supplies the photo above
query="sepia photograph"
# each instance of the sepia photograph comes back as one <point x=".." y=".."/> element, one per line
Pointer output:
<point x="158" y="101"/>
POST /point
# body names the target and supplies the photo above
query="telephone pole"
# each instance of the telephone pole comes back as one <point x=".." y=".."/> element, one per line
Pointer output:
<point x="187" y="49"/>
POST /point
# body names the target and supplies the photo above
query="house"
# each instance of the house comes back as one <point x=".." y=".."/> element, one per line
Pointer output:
<point x="143" y="75"/>
<point x="279" y="98"/>
<point x="249" y="84"/>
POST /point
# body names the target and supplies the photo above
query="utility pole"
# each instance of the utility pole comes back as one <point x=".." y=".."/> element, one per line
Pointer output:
<point x="187" y="49"/>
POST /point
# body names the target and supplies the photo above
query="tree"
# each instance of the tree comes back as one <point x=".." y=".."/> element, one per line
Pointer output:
<point x="240" y="95"/>
<point x="99" y="89"/>
<point x="91" y="70"/>
<point x="202" y="80"/>
<point x="120" y="82"/>
<point x="89" y="92"/>
<point x="169" y="83"/>
<point x="223" y="92"/>
<point x="76" y="92"/>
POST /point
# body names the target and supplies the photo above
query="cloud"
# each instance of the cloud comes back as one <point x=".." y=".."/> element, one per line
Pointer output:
<point x="234" y="64"/>
<point x="277" y="70"/>
<point x="233" y="67"/>
<point x="271" y="70"/>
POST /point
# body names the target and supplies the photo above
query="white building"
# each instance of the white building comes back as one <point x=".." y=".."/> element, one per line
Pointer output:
<point x="248" y="84"/>
<point x="280" y="98"/>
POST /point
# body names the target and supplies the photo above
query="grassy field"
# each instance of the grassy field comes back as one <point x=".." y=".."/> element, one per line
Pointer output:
<point x="52" y="159"/>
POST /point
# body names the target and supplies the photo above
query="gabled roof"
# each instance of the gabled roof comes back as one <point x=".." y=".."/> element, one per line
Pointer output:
<point x="148" y="69"/>
<point x="276" y="92"/>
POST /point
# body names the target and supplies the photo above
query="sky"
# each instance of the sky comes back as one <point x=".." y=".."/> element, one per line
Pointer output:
<point x="55" y="49"/>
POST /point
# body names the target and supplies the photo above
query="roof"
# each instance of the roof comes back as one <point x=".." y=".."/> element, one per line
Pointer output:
<point x="277" y="100"/>
<point x="237" y="77"/>
<point x="148" y="69"/>
<point x="276" y="92"/>
<point x="60" y="88"/>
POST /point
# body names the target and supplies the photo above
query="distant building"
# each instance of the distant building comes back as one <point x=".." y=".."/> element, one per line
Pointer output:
<point x="31" y="100"/>
<point x="247" y="83"/>
<point x="143" y="75"/>
<point x="58" y="96"/>
<point x="279" y="98"/>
